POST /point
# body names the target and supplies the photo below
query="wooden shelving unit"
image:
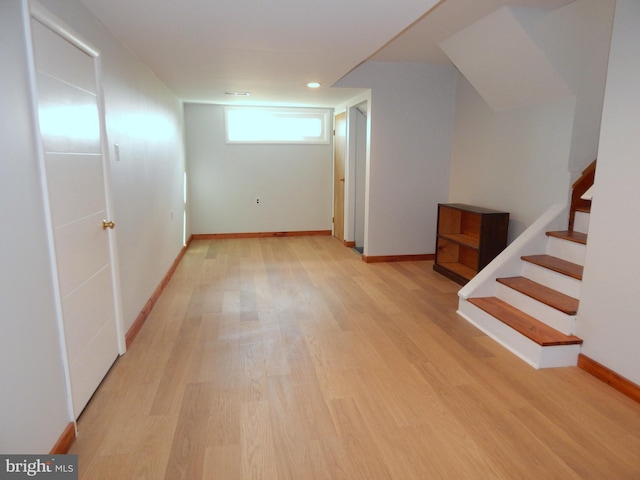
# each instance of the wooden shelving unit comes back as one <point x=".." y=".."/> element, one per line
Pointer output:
<point x="468" y="238"/>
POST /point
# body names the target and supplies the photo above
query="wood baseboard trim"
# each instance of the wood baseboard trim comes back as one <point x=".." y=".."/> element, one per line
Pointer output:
<point x="624" y="386"/>
<point x="63" y="445"/>
<point x="146" y="310"/>
<point x="398" y="258"/>
<point x="220" y="236"/>
<point x="349" y="244"/>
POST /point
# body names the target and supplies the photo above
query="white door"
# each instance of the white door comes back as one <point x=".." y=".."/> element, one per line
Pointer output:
<point x="71" y="136"/>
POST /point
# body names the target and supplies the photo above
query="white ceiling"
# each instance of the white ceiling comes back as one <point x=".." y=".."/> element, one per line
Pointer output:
<point x="202" y="48"/>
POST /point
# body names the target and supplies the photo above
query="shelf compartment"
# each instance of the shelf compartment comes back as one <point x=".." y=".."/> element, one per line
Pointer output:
<point x="459" y="259"/>
<point x="449" y="252"/>
<point x="454" y="270"/>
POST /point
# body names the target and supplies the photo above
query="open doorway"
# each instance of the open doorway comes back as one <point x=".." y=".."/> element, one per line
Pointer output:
<point x="357" y="160"/>
<point x="358" y="117"/>
<point x="350" y="178"/>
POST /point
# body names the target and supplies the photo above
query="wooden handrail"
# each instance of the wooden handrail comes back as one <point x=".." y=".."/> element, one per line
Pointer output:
<point x="579" y="187"/>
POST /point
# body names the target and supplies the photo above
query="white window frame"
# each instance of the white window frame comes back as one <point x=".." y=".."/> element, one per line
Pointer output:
<point x="322" y="114"/>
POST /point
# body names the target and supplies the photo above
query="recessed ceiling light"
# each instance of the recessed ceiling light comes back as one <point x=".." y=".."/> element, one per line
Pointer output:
<point x="238" y="94"/>
<point x="313" y="85"/>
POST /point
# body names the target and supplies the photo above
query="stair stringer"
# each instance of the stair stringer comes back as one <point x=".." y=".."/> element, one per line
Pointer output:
<point x="509" y="263"/>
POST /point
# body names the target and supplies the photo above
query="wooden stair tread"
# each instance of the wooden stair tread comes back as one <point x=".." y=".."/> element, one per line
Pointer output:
<point x="528" y="326"/>
<point x="570" y="235"/>
<point x="542" y="293"/>
<point x="583" y="208"/>
<point x="556" y="264"/>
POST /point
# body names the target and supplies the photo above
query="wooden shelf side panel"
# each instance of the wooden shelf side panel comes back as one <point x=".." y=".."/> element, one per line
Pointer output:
<point x="495" y="232"/>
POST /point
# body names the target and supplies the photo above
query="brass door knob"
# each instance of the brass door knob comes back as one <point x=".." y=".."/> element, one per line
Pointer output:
<point x="106" y="225"/>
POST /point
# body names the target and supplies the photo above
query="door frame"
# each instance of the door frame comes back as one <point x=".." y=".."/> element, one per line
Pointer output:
<point x="358" y="165"/>
<point x="350" y="171"/>
<point x="340" y="184"/>
<point x="40" y="14"/>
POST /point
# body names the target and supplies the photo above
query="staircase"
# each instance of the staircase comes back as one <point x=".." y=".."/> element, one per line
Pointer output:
<point x="528" y="298"/>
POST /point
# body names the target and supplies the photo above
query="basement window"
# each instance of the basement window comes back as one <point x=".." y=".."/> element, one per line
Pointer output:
<point x="277" y="125"/>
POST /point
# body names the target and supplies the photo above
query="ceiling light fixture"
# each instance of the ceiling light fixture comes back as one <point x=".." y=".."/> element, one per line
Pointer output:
<point x="238" y="94"/>
<point x="313" y="85"/>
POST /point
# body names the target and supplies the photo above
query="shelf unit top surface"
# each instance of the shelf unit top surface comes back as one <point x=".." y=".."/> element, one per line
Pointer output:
<point x="470" y="208"/>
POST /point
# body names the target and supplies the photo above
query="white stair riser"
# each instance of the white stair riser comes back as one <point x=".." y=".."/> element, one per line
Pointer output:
<point x="560" y="356"/>
<point x="566" y="250"/>
<point x="518" y="344"/>
<point x="554" y="318"/>
<point x="581" y="222"/>
<point x="557" y="281"/>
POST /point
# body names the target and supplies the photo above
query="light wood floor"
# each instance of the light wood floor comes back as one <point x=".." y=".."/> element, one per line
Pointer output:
<point x="290" y="358"/>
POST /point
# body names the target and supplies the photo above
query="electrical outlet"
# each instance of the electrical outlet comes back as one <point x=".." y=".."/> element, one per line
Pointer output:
<point x="257" y="200"/>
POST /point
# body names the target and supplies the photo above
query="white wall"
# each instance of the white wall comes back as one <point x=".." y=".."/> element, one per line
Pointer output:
<point x="293" y="182"/>
<point x="576" y="40"/>
<point x="522" y="160"/>
<point x="33" y="406"/>
<point x="514" y="160"/>
<point x="146" y="119"/>
<point x="411" y="113"/>
<point x="608" y="319"/>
